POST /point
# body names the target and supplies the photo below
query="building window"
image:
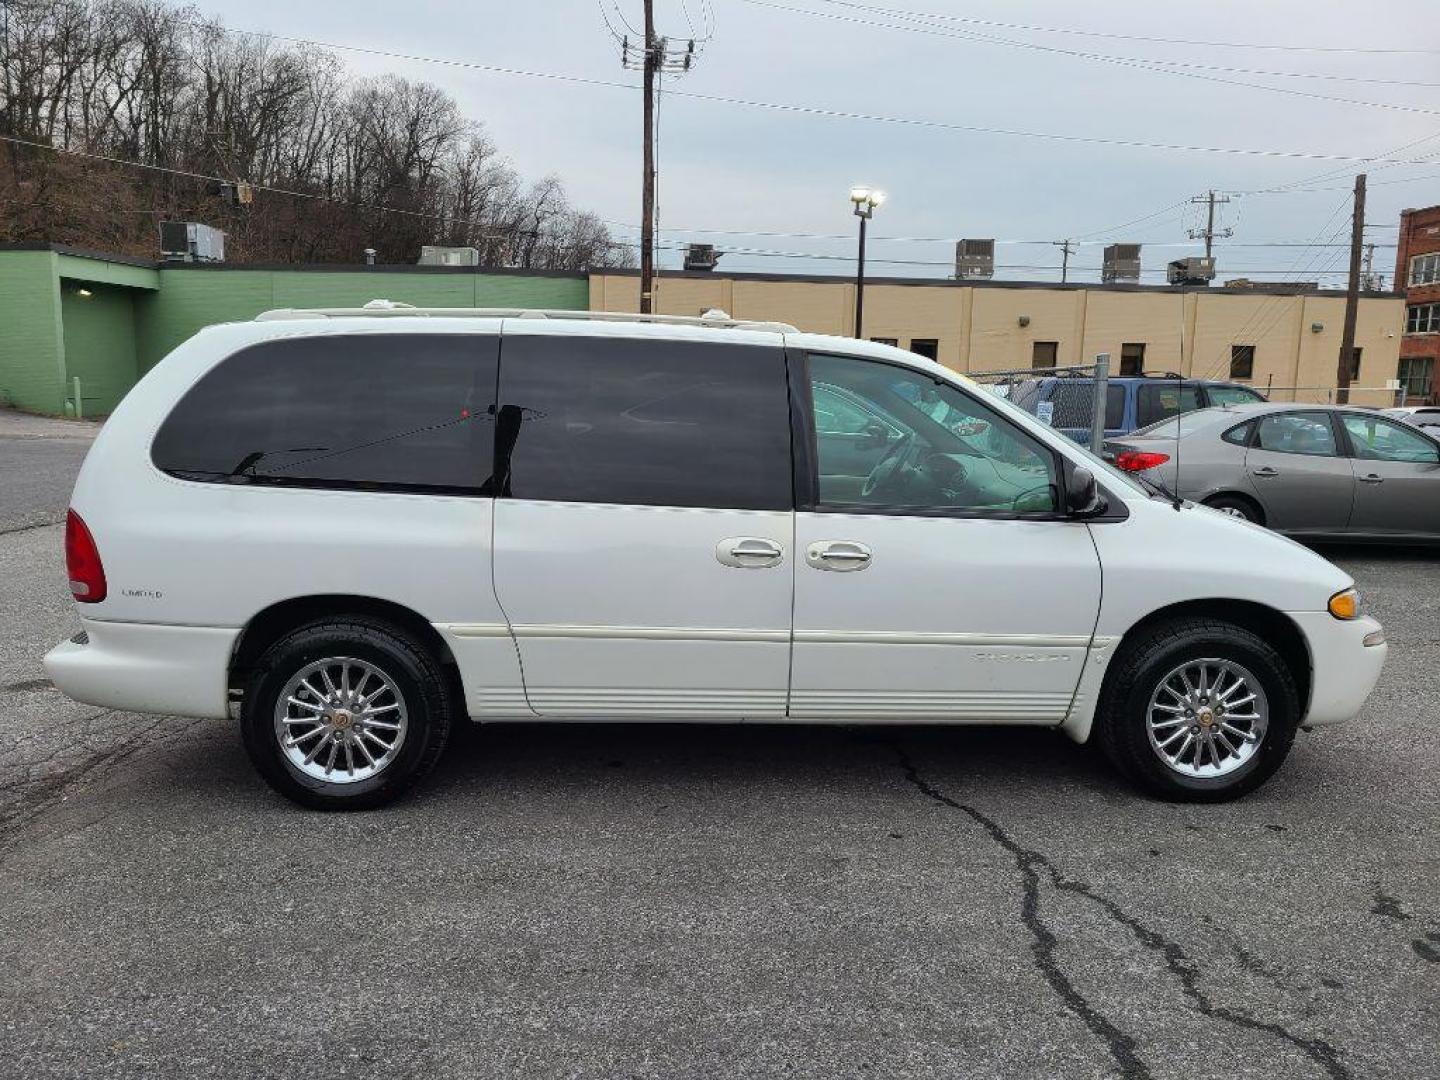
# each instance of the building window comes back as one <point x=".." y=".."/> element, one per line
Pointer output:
<point x="886" y="341"/>
<point x="1242" y="361"/>
<point x="1415" y="374"/>
<point x="1132" y="358"/>
<point x="1424" y="269"/>
<point x="1044" y="353"/>
<point x="1422" y="319"/>
<point x="926" y="347"/>
<point x="1355" y="365"/>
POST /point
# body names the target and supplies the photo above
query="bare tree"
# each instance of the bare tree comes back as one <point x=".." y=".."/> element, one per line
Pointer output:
<point x="338" y="164"/>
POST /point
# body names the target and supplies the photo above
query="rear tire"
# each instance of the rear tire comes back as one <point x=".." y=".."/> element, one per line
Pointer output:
<point x="1141" y="725"/>
<point x="346" y="714"/>
<point x="1237" y="506"/>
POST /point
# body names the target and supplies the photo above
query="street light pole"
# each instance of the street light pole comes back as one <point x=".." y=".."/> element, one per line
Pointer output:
<point x="860" y="280"/>
<point x="864" y="201"/>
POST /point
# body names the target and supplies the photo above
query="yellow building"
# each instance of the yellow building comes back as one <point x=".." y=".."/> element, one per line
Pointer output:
<point x="1270" y="336"/>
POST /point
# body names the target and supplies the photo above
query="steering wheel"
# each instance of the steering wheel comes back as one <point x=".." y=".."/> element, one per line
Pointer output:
<point x="888" y="466"/>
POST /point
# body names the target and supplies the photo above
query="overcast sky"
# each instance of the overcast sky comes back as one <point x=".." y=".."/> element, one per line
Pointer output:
<point x="752" y="170"/>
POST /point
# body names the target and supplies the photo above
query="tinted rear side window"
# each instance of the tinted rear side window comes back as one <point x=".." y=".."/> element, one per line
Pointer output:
<point x="1156" y="401"/>
<point x="373" y="411"/>
<point x="646" y="422"/>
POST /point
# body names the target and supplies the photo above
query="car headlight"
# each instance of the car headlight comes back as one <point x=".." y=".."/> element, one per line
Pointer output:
<point x="1345" y="604"/>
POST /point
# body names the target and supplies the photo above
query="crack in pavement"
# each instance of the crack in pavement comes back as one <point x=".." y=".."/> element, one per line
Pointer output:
<point x="1032" y="865"/>
<point x="41" y="795"/>
<point x="31" y="528"/>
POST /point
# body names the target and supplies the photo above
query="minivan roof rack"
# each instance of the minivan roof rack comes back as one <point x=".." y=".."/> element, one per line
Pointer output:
<point x="394" y="308"/>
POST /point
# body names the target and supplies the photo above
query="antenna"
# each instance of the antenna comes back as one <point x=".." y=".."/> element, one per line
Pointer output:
<point x="1176" y="502"/>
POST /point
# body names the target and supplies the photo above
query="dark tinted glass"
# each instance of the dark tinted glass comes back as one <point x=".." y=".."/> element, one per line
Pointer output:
<point x="1114" y="406"/>
<point x="381" y="411"/>
<point x="646" y="422"/>
<point x="1157" y="401"/>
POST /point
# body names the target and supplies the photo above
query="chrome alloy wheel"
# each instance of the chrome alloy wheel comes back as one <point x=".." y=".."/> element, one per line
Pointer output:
<point x="340" y="720"/>
<point x="1207" y="718"/>
<point x="1233" y="511"/>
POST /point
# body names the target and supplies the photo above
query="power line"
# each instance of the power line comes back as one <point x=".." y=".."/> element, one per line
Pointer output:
<point x="1136" y="37"/>
<point x="1120" y="61"/>
<point x="837" y="114"/>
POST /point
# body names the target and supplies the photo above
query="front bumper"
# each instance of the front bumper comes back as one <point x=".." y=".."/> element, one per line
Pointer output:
<point x="1344" y="669"/>
<point x="144" y="667"/>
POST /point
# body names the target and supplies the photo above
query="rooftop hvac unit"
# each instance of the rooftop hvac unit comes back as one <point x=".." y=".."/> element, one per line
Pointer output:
<point x="189" y="241"/>
<point x="974" y="259"/>
<point x="449" y="256"/>
<point x="1196" y="270"/>
<point x="701" y="256"/>
<point x="1122" y="263"/>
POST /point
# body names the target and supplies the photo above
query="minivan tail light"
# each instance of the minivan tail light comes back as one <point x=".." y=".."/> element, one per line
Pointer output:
<point x="1139" y="460"/>
<point x="82" y="560"/>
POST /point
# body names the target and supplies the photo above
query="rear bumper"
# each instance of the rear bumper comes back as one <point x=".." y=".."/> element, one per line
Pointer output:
<point x="1343" y="668"/>
<point x="142" y="667"/>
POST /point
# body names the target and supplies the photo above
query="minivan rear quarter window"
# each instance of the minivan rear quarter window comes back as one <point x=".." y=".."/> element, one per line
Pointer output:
<point x="400" y="412"/>
<point x="648" y="422"/>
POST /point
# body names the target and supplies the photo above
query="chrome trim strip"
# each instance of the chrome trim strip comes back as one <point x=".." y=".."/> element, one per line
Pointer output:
<point x="904" y="637"/>
<point x="809" y="637"/>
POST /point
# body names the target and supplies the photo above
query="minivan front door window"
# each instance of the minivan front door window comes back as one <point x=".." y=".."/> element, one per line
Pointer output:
<point x="950" y="452"/>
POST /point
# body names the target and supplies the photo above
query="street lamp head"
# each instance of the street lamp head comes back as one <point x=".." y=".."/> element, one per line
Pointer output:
<point x="866" y="200"/>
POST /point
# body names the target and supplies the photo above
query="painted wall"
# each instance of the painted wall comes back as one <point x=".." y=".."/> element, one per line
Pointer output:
<point x="32" y="356"/>
<point x="979" y="328"/>
<point x="99" y="335"/>
<point x="192" y="298"/>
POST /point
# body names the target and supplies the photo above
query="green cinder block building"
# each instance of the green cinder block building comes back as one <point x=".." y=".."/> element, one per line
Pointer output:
<point x="68" y="314"/>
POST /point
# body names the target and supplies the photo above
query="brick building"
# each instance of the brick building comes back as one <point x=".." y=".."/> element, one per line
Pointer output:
<point x="1417" y="275"/>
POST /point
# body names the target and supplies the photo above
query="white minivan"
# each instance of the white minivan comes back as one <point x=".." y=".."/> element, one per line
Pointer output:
<point x="361" y="527"/>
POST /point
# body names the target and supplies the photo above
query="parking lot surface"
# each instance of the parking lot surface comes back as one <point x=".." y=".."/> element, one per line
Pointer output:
<point x="717" y="901"/>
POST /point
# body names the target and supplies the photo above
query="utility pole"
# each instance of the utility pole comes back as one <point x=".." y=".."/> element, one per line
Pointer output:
<point x="653" y="57"/>
<point x="1066" y="250"/>
<point x="1208" y="234"/>
<point x="1369" y="280"/>
<point x="647" y="183"/>
<point x="1352" y="296"/>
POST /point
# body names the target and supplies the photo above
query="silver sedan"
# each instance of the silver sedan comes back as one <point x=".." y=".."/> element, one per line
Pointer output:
<point x="1307" y="470"/>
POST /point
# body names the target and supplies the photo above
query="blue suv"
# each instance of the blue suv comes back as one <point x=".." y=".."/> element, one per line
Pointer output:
<point x="1131" y="401"/>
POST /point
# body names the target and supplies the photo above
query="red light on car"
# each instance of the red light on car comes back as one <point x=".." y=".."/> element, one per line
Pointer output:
<point x="82" y="560"/>
<point x="1139" y="460"/>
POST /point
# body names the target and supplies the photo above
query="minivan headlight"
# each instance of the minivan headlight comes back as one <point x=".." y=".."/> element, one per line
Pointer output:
<point x="1345" y="604"/>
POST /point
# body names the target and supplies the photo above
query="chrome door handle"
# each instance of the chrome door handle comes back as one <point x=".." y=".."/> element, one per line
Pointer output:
<point x="1265" y="470"/>
<point x="749" y="552"/>
<point x="838" y="555"/>
<point x="1371" y="478"/>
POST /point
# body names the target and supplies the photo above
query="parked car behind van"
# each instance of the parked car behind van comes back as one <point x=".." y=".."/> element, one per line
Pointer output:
<point x="361" y="528"/>
<point x="1312" y="471"/>
<point x="1131" y="401"/>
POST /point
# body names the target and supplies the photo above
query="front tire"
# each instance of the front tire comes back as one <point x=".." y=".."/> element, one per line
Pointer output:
<point x="1198" y="710"/>
<point x="345" y="714"/>
<point x="1237" y="506"/>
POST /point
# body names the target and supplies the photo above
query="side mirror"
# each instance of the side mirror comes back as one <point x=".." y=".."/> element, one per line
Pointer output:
<point x="1082" y="493"/>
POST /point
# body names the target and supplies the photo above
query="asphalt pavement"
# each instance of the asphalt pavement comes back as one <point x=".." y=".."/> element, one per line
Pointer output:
<point x="713" y="901"/>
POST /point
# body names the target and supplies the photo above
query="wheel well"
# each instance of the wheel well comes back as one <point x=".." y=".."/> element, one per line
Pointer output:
<point x="276" y="621"/>
<point x="1238" y="496"/>
<point x="1277" y="628"/>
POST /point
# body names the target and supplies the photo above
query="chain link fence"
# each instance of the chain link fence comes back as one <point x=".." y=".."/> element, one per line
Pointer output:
<point x="1375" y="397"/>
<point x="1074" y="399"/>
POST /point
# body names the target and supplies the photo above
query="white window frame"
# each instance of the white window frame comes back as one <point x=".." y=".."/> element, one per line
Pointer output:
<point x="1430" y="322"/>
<point x="1424" y="269"/>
